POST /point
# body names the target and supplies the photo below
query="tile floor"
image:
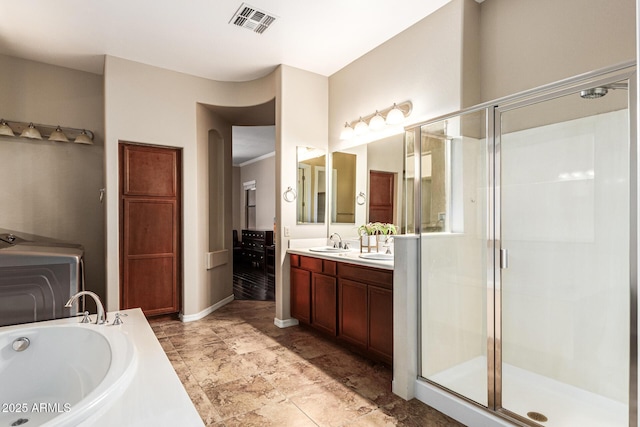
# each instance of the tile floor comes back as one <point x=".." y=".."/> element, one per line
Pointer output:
<point x="241" y="370"/>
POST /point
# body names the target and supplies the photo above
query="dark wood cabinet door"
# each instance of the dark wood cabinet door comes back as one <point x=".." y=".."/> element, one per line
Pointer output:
<point x="353" y="312"/>
<point x="150" y="260"/>
<point x="381" y="322"/>
<point x="323" y="299"/>
<point x="301" y="295"/>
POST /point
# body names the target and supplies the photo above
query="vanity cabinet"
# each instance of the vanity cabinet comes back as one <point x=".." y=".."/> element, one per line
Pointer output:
<point x="365" y="309"/>
<point x="314" y="292"/>
<point x="350" y="302"/>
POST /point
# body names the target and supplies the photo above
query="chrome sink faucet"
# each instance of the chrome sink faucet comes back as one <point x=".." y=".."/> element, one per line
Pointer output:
<point x="101" y="316"/>
<point x="337" y="244"/>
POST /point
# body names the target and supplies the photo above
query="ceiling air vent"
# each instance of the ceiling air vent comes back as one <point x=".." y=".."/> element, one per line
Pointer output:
<point x="252" y="18"/>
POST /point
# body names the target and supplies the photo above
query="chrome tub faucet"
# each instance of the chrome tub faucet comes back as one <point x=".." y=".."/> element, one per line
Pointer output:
<point x="101" y="317"/>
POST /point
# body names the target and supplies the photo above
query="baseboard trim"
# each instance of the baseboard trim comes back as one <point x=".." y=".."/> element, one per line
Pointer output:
<point x="192" y="317"/>
<point x="285" y="323"/>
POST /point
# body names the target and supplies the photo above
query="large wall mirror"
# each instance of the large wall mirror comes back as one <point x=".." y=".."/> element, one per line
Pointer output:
<point x="311" y="187"/>
<point x="368" y="185"/>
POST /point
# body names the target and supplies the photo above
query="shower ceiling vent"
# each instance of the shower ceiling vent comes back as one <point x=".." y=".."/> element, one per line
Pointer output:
<point x="252" y="18"/>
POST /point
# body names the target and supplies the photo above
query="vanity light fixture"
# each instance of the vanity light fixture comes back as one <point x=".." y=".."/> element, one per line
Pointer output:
<point x="5" y="129"/>
<point x="378" y="121"/>
<point x="31" y="132"/>
<point x="57" y="133"/>
<point x="83" y="138"/>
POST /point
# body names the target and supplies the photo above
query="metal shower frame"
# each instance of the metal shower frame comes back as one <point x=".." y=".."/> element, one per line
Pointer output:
<point x="600" y="78"/>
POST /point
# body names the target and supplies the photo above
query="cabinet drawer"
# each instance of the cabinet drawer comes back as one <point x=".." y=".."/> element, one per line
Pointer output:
<point x="329" y="267"/>
<point x="311" y="264"/>
<point x="317" y="265"/>
<point x="377" y="276"/>
<point x="295" y="260"/>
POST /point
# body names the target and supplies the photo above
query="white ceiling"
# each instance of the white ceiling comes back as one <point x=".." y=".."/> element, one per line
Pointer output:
<point x="195" y="37"/>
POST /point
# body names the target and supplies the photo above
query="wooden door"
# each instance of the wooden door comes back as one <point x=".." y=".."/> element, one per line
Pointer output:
<point x="301" y="295"/>
<point x="381" y="196"/>
<point x="381" y="322"/>
<point x="323" y="303"/>
<point x="150" y="206"/>
<point x="352" y="303"/>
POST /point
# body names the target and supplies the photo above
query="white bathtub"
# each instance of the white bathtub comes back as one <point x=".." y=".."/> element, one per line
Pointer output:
<point x="70" y="372"/>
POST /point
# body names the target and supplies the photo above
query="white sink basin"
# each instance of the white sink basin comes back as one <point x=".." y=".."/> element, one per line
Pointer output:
<point x="377" y="256"/>
<point x="329" y="249"/>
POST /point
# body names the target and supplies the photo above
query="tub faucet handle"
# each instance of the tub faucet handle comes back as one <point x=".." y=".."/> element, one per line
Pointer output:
<point x="85" y="317"/>
<point x="117" y="320"/>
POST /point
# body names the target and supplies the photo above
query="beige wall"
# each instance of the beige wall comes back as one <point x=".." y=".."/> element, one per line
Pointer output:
<point x="52" y="189"/>
<point x="422" y="64"/>
<point x="525" y="44"/>
<point x="301" y="120"/>
<point x="138" y="108"/>
<point x="262" y="172"/>
<point x="155" y="106"/>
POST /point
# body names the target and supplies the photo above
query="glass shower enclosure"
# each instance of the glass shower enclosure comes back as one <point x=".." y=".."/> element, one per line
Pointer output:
<point x="529" y="258"/>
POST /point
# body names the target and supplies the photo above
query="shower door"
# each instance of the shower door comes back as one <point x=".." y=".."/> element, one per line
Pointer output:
<point x="528" y="247"/>
<point x="562" y="205"/>
<point x="453" y="156"/>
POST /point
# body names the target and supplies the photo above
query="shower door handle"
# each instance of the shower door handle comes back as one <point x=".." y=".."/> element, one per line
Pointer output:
<point x="504" y="258"/>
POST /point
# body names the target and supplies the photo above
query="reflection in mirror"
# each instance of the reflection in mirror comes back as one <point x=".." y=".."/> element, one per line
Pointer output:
<point x="433" y="182"/>
<point x="408" y="192"/>
<point x="344" y="188"/>
<point x="385" y="166"/>
<point x="378" y="192"/>
<point x="446" y="149"/>
<point x="311" y="189"/>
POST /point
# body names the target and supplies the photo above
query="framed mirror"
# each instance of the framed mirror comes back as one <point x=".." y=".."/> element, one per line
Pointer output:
<point x="311" y="186"/>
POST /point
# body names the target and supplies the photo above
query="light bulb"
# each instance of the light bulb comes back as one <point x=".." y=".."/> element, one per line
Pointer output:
<point x="361" y="127"/>
<point x="347" y="132"/>
<point x="395" y="116"/>
<point x="377" y="122"/>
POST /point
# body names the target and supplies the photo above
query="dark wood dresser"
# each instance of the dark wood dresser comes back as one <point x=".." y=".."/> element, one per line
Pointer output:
<point x="254" y="247"/>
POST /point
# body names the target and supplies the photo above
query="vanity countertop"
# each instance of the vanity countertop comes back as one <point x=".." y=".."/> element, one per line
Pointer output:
<point x="351" y="256"/>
